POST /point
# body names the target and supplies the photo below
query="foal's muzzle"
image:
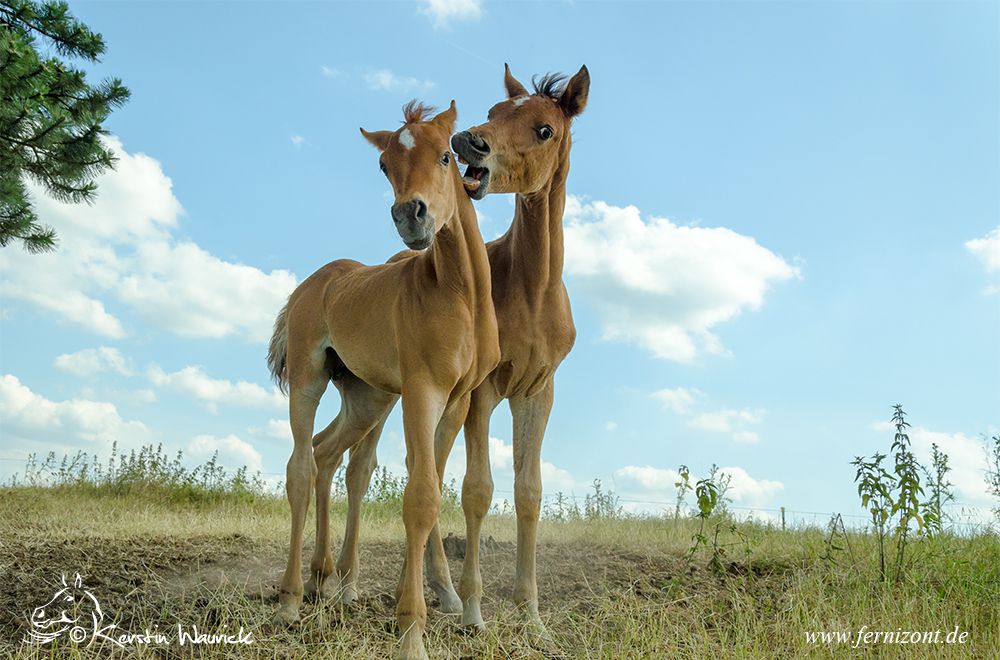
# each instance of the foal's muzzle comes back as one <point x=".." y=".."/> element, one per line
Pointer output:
<point x="470" y="146"/>
<point x="474" y="150"/>
<point x="414" y="223"/>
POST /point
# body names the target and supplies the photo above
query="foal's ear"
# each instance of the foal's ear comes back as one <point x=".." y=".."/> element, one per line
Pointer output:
<point x="574" y="98"/>
<point x="514" y="88"/>
<point x="378" y="139"/>
<point x="446" y="119"/>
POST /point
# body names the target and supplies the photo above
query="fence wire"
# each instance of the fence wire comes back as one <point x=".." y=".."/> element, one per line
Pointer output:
<point x="818" y="518"/>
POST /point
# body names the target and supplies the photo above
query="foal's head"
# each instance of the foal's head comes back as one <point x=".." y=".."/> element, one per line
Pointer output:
<point x="525" y="138"/>
<point x="418" y="163"/>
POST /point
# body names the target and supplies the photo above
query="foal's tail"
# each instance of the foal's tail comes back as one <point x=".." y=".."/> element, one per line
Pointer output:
<point x="277" y="351"/>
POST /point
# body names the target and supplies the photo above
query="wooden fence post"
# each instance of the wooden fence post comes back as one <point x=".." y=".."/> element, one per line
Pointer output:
<point x="782" y="518"/>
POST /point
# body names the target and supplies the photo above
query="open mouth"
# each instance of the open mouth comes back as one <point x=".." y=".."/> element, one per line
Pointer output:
<point x="476" y="181"/>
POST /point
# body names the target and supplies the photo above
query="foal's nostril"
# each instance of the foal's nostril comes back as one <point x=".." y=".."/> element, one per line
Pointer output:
<point x="415" y="209"/>
<point x="478" y="143"/>
<point x="467" y="142"/>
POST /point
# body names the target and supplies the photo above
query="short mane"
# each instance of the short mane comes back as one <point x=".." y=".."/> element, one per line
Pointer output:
<point x="416" y="111"/>
<point x="550" y="85"/>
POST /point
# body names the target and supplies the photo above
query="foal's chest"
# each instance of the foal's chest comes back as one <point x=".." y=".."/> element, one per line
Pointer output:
<point x="534" y="339"/>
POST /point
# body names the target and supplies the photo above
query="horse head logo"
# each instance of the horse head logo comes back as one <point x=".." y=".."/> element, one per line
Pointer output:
<point x="72" y="610"/>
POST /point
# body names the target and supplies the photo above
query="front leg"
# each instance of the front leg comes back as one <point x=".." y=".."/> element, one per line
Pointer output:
<point x="423" y="406"/>
<point x="530" y="414"/>
<point x="438" y="574"/>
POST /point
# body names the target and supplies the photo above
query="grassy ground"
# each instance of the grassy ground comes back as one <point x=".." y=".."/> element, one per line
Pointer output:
<point x="608" y="588"/>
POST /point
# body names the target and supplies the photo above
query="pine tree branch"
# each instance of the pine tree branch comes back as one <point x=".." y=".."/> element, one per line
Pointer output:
<point x="70" y="43"/>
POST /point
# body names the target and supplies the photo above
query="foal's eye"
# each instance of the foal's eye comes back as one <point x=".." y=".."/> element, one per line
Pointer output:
<point x="545" y="132"/>
<point x="381" y="166"/>
<point x="446" y="158"/>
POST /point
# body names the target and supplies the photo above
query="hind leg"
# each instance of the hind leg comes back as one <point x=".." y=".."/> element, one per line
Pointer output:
<point x="363" y="408"/>
<point x="300" y="476"/>
<point x="327" y="464"/>
<point x="359" y="473"/>
<point x="321" y="565"/>
<point x="530" y="414"/>
<point x="477" y="495"/>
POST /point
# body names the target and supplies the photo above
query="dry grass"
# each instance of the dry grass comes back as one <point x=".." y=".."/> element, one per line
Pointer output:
<point x="609" y="588"/>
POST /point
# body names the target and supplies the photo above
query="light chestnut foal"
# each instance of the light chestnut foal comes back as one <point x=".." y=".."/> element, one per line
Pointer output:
<point x="421" y="326"/>
<point x="524" y="149"/>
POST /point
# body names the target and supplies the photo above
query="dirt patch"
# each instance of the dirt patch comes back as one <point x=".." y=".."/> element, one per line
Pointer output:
<point x="163" y="572"/>
<point x="567" y="572"/>
<point x="215" y="582"/>
<point x="125" y="569"/>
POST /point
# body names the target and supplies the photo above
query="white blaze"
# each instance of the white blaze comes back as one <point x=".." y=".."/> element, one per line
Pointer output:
<point x="406" y="139"/>
<point x="520" y="100"/>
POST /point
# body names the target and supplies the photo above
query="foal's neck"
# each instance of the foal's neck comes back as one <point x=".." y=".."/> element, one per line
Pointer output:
<point x="536" y="233"/>
<point x="457" y="258"/>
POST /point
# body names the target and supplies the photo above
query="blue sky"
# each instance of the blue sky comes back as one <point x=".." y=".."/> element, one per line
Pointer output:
<point x="784" y="218"/>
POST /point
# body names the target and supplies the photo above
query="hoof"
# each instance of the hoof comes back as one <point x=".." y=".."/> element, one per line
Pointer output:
<point x="472" y="620"/>
<point x="287" y="616"/>
<point x="347" y="595"/>
<point x="540" y="637"/>
<point x="420" y="654"/>
<point x="474" y="628"/>
<point x="449" y="602"/>
<point x="412" y="648"/>
<point x="313" y="589"/>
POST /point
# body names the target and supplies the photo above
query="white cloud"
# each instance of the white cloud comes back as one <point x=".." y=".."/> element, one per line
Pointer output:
<point x="750" y="492"/>
<point x="723" y="421"/>
<point x="140" y="396"/>
<point x="557" y="480"/>
<point x="122" y="249"/>
<point x="501" y="454"/>
<point x="987" y="249"/>
<point x="131" y="397"/>
<point x="330" y="72"/>
<point x="233" y="452"/>
<point x="746" y="437"/>
<point x="386" y="80"/>
<point x="443" y="12"/>
<point x="966" y="457"/>
<point x="194" y="382"/>
<point x="32" y="422"/>
<point x="665" y="286"/>
<point x="679" y="400"/>
<point x="648" y="478"/>
<point x="687" y="402"/>
<point x="298" y="141"/>
<point x="192" y="293"/>
<point x="276" y="429"/>
<point x="554" y="479"/>
<point x="610" y="426"/>
<point x="92" y="361"/>
<point x="655" y="490"/>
